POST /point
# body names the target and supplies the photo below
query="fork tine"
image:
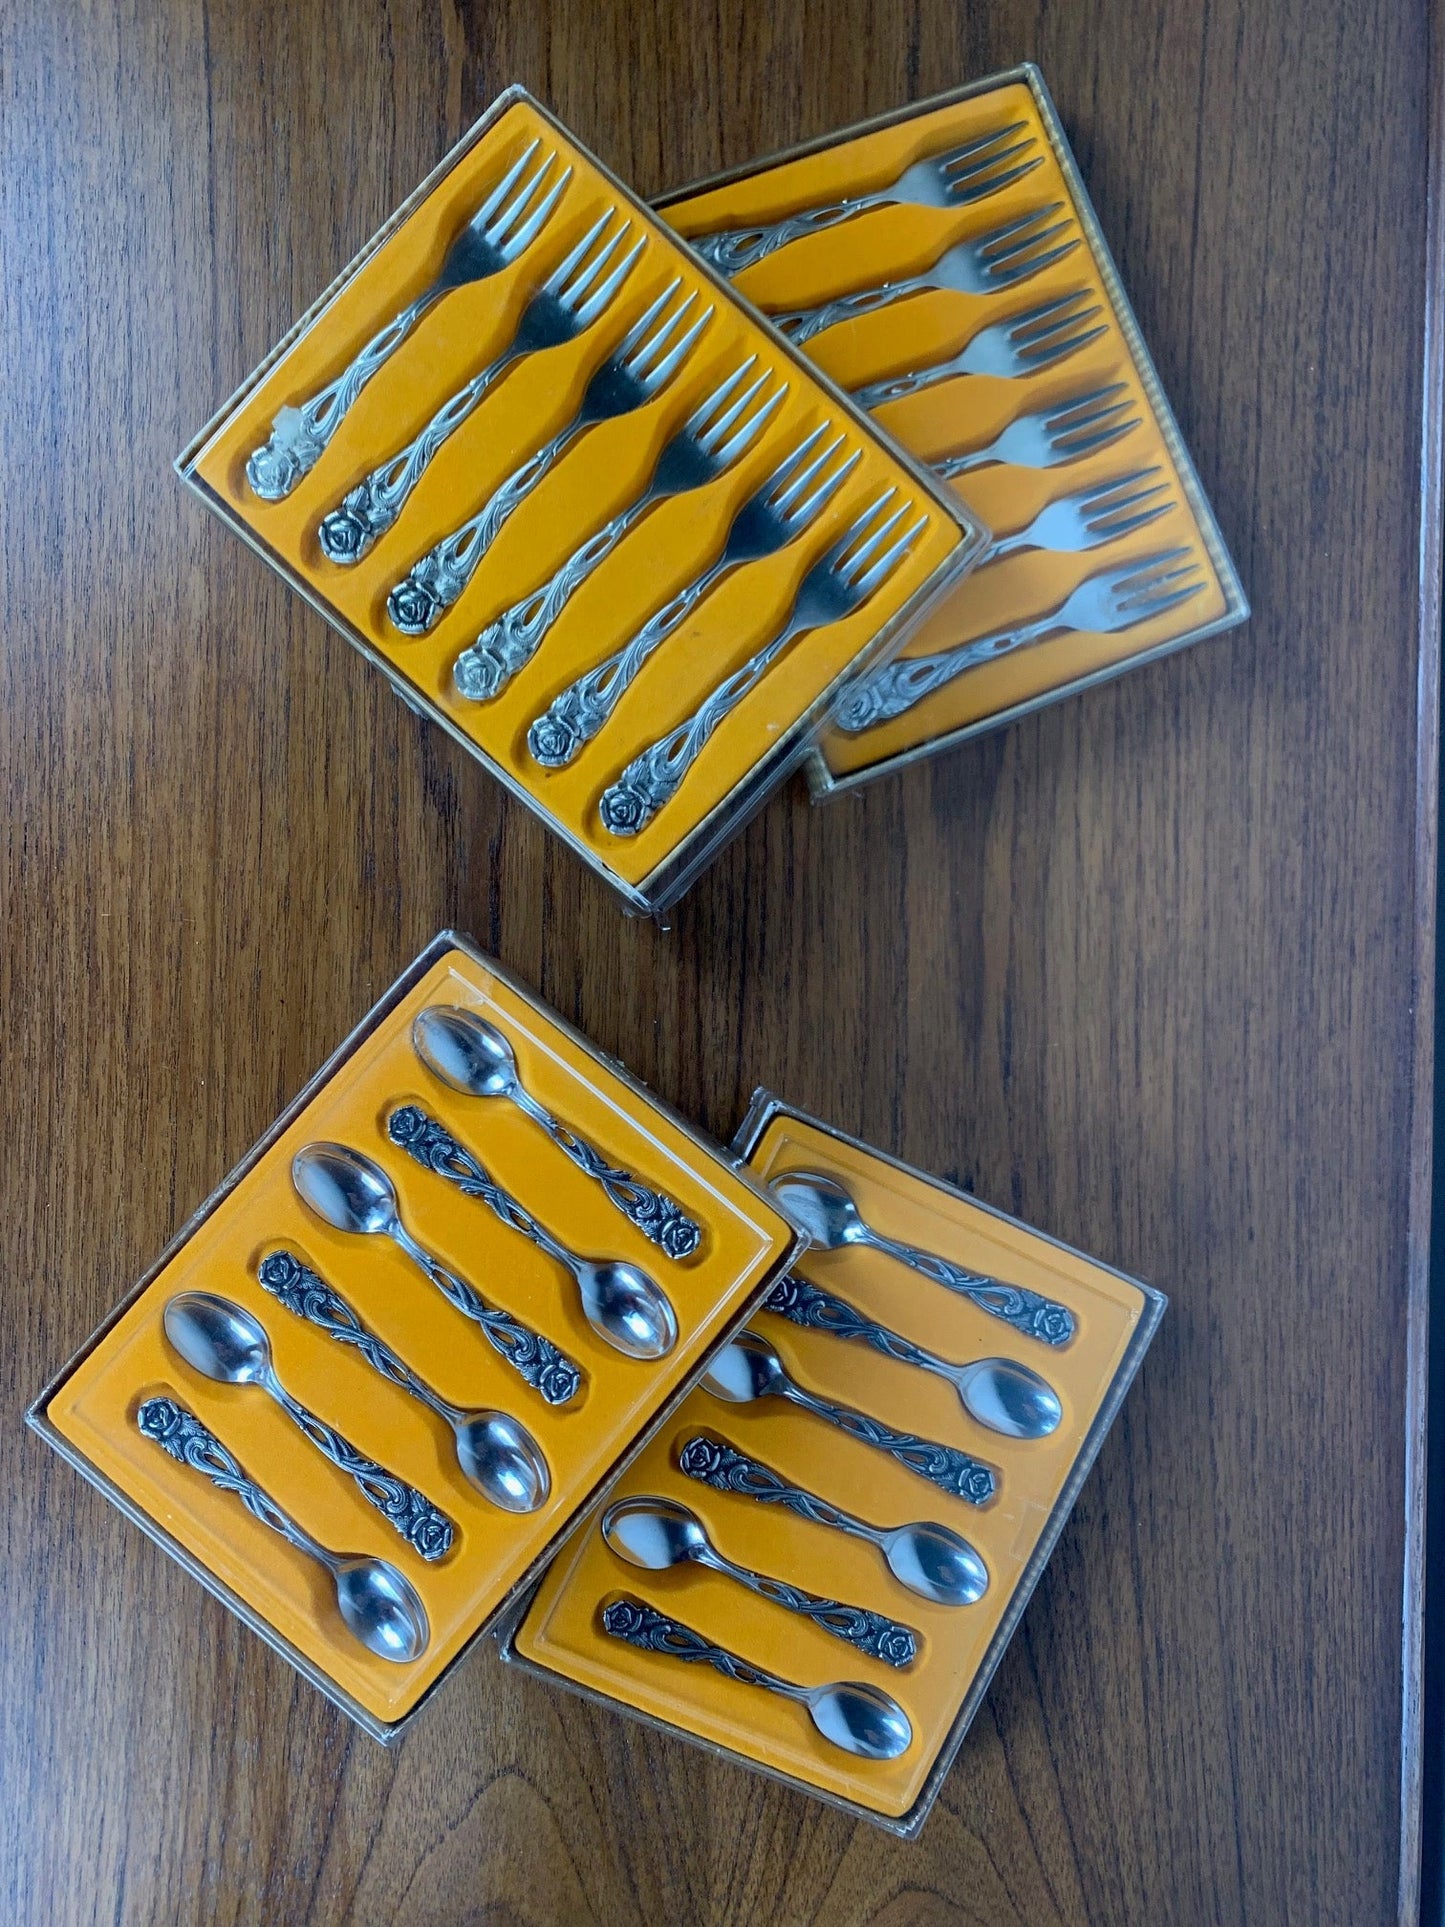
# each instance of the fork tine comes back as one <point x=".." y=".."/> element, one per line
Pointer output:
<point x="986" y="243"/>
<point x="645" y="320"/>
<point x="1020" y="324"/>
<point x="1092" y="497"/>
<point x="1027" y="243"/>
<point x="981" y="161"/>
<point x="504" y="186"/>
<point x="1159" y="583"/>
<point x="887" y="562"/>
<point x="600" y="297"/>
<point x="857" y="559"/>
<point x="1076" y="445"/>
<point x="1116" y="530"/>
<point x="955" y="156"/>
<point x="797" y="483"/>
<point x="532" y="226"/>
<point x="559" y="279"/>
<point x="642" y="357"/>
<point x="1145" y="573"/>
<point x="1146" y="612"/>
<point x="973" y="187"/>
<point x="706" y="418"/>
<point x="798" y="517"/>
<point x="671" y="362"/>
<point x="753" y="426"/>
<point x="506" y="217"/>
<point x="1044" y="354"/>
<point x="1060" y="417"/>
<point x="1016" y="267"/>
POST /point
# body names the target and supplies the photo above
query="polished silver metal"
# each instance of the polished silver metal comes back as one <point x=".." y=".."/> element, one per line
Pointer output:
<point x="862" y="1720"/>
<point x="499" y="233"/>
<point x="637" y="370"/>
<point x="1064" y="432"/>
<point x="1023" y="344"/>
<point x="496" y="1453"/>
<point x="566" y="305"/>
<point x="776" y="514"/>
<point x="717" y="433"/>
<point x="657" y="1534"/>
<point x="839" y="583"/>
<point x="1072" y="524"/>
<point x="998" y="1393"/>
<point x="1115" y="599"/>
<point x="1005" y="255"/>
<point x="826" y="1211"/>
<point x="748" y="1368"/>
<point x="625" y="1307"/>
<point x="472" y="1055"/>
<point x="930" y="1560"/>
<point x="352" y="1193"/>
<point x="955" y="178"/>
<point x="378" y="1604"/>
<point x="222" y="1341"/>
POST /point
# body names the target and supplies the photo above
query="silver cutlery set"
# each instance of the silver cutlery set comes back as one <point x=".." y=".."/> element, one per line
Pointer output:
<point x="1001" y="1395"/>
<point x="352" y="1193"/>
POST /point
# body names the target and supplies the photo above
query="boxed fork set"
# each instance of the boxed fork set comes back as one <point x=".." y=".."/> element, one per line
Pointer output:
<point x="647" y="525"/>
<point x="768" y="1446"/>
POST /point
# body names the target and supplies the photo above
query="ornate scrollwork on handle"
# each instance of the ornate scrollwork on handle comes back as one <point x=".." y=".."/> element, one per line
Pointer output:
<point x="181" y="1433"/>
<point x="803" y="323"/>
<point x="807" y="1305"/>
<point x="868" y="1632"/>
<point x="945" y="1466"/>
<point x="1026" y="1311"/>
<point x="712" y="1463"/>
<point x="734" y="249"/>
<point x="658" y="1217"/>
<point x="894" y="689"/>
<point x="628" y="1618"/>
<point x="509" y="644"/>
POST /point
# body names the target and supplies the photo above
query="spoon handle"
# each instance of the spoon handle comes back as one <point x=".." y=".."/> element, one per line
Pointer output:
<point x="303" y="1293"/>
<point x="807" y="1305"/>
<point x="957" y="1473"/>
<point x="869" y="1632"/>
<point x="726" y="1470"/>
<point x="657" y="1216"/>
<point x="426" y="1530"/>
<point x="435" y="1149"/>
<point x="1028" y="1312"/>
<point x="627" y="1618"/>
<point x="181" y="1433"/>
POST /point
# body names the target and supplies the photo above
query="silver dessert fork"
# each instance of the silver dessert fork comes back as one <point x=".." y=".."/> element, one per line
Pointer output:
<point x="705" y="447"/>
<point x="1005" y="255"/>
<point x="1089" y="518"/>
<point x="564" y="307"/>
<point x="499" y="233"/>
<point x="776" y="514"/>
<point x="840" y="581"/>
<point x="1021" y="345"/>
<point x="1054" y="435"/>
<point x="640" y="367"/>
<point x="1112" y="600"/>
<point x="954" y="178"/>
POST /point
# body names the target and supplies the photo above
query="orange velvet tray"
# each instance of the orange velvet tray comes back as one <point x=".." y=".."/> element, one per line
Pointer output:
<point x="1037" y="1481"/>
<point x="595" y="477"/>
<point x="1109" y="376"/>
<point x="91" y="1412"/>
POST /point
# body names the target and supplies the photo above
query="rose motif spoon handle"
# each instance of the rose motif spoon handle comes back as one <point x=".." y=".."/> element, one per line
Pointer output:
<point x="471" y="1055"/>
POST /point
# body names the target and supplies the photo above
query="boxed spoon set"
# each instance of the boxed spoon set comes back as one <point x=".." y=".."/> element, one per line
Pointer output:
<point x="816" y="1564"/>
<point x="580" y="503"/>
<point x="944" y="265"/>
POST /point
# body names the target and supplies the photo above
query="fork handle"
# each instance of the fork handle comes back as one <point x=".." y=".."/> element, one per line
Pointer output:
<point x="372" y="507"/>
<point x="299" y="435"/>
<point x="576" y="716"/>
<point x="894" y="689"/>
<point x="483" y="670"/>
<point x="733" y="249"/>
<point x="803" y="323"/>
<point x="433" y="584"/>
<point x="654" y="777"/>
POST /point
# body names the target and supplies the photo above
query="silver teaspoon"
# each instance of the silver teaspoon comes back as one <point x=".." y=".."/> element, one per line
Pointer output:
<point x="473" y="1056"/>
<point x="928" y="1559"/>
<point x="350" y="1193"/>
<point x="832" y="1220"/>
<point x="619" y="1301"/>
<point x="224" y="1342"/>
<point x="657" y="1534"/>
<point x="747" y="1367"/>
<point x="1004" y="1396"/>
<point x="378" y="1605"/>
<point x="496" y="1453"/>
<point x="859" y="1719"/>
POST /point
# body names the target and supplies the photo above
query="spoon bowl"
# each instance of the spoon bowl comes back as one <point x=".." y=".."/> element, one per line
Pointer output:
<point x="744" y="1369"/>
<point x="624" y="1306"/>
<point x="464" y="1051"/>
<point x="218" y="1339"/>
<point x="1009" y="1398"/>
<point x="503" y="1460"/>
<point x="936" y="1564"/>
<point x="345" y="1189"/>
<point x="381" y="1608"/>
<point x="822" y="1207"/>
<point x="861" y="1720"/>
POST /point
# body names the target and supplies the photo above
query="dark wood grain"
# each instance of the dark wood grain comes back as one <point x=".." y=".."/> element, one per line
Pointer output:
<point x="1151" y="970"/>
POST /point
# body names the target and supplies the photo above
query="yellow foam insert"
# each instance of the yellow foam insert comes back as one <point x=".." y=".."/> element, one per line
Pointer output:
<point x="562" y="1630"/>
<point x="969" y="411"/>
<point x="96" y="1405"/>
<point x="596" y="478"/>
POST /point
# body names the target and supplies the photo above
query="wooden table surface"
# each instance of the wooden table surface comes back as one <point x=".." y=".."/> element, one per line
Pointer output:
<point x="1151" y="970"/>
